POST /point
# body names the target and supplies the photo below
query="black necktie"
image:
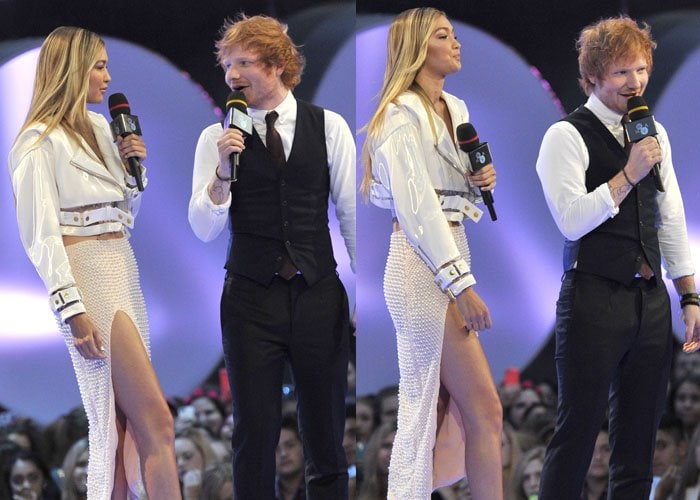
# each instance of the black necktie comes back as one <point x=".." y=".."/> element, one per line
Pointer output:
<point x="628" y="146"/>
<point x="273" y="139"/>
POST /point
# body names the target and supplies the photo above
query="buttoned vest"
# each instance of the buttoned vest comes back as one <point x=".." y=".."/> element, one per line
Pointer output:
<point x="283" y="210"/>
<point x="615" y="249"/>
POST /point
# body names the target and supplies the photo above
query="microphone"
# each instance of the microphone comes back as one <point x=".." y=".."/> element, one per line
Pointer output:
<point x="124" y="124"/>
<point x="479" y="156"/>
<point x="642" y="125"/>
<point x="237" y="117"/>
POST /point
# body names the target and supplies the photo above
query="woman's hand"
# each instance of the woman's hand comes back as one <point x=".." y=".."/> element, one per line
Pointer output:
<point x="131" y="146"/>
<point x="475" y="313"/>
<point x="484" y="178"/>
<point x="86" y="338"/>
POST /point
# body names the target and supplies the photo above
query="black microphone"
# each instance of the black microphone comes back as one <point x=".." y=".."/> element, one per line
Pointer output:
<point x="124" y="124"/>
<point x="642" y="125"/>
<point x="237" y="117"/>
<point x="479" y="156"/>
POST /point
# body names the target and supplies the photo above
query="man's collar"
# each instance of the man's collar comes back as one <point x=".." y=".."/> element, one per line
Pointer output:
<point x="284" y="109"/>
<point x="604" y="113"/>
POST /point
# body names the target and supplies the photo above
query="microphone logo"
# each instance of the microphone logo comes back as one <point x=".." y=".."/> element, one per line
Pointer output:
<point x="480" y="158"/>
<point x="642" y="129"/>
<point x="132" y="125"/>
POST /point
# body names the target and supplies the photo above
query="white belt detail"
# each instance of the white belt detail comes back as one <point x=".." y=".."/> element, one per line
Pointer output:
<point x="97" y="216"/>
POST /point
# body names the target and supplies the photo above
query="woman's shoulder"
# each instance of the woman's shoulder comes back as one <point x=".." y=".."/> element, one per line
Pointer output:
<point x="406" y="108"/>
<point x="97" y="118"/>
<point x="28" y="139"/>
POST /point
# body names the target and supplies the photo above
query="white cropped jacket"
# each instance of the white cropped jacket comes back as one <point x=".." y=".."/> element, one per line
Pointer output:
<point x="61" y="190"/>
<point x="422" y="179"/>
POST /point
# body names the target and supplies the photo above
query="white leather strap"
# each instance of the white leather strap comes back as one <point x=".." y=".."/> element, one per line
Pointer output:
<point x="453" y="277"/>
<point x="62" y="298"/>
<point x="96" y="216"/>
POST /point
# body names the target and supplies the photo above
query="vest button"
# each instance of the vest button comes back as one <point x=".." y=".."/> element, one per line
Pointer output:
<point x="286" y="223"/>
<point x="284" y="203"/>
<point x="288" y="243"/>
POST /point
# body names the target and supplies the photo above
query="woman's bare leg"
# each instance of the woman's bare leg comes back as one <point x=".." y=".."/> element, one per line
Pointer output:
<point x="465" y="374"/>
<point x="139" y="396"/>
<point x="121" y="488"/>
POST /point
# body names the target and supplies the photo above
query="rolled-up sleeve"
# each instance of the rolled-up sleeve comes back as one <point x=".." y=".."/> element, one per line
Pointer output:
<point x="206" y="218"/>
<point x="561" y="167"/>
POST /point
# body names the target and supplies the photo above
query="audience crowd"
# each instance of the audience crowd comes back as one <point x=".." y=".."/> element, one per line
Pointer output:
<point x="50" y="462"/>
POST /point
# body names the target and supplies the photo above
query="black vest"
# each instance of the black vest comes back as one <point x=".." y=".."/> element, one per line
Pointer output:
<point x="615" y="249"/>
<point x="283" y="210"/>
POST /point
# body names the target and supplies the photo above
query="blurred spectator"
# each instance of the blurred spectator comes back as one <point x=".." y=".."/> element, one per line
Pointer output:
<point x="75" y="471"/>
<point x="510" y="452"/>
<point x="548" y="394"/>
<point x="366" y="419"/>
<point x="194" y="454"/>
<point x="595" y="486"/>
<point x="26" y="433"/>
<point x="209" y="413"/>
<point x="185" y="418"/>
<point x="388" y="403"/>
<point x="687" y="485"/>
<point x="227" y="432"/>
<point x="352" y="381"/>
<point x="8" y="450"/>
<point x="669" y="452"/>
<point x="289" y="461"/>
<point x="685" y="364"/>
<point x="522" y="402"/>
<point x="509" y="388"/>
<point x="525" y="481"/>
<point x="217" y="483"/>
<point x="350" y="447"/>
<point x="376" y="462"/>
<point x="26" y="477"/>
<point x="60" y="435"/>
<point x="457" y="491"/>
<point x="536" y="426"/>
<point x="685" y="400"/>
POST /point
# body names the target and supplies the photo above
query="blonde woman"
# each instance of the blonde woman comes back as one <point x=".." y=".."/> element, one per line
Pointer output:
<point x="414" y="168"/>
<point x="74" y="202"/>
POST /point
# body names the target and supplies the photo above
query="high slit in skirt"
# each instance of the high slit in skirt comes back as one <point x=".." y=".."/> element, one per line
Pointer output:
<point x="107" y="276"/>
<point x="420" y="460"/>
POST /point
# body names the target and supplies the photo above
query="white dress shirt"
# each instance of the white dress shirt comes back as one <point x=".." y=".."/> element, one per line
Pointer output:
<point x="208" y="219"/>
<point x="561" y="166"/>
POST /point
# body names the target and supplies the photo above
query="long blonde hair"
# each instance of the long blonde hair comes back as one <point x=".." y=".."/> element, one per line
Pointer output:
<point x="407" y="49"/>
<point x="62" y="81"/>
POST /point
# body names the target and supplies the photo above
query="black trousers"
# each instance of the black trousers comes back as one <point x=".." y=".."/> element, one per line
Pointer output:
<point x="613" y="350"/>
<point x="261" y="328"/>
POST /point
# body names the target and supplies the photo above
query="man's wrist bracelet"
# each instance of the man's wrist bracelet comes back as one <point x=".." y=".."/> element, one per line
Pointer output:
<point x="691" y="298"/>
<point x="222" y="179"/>
<point x="627" y="178"/>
